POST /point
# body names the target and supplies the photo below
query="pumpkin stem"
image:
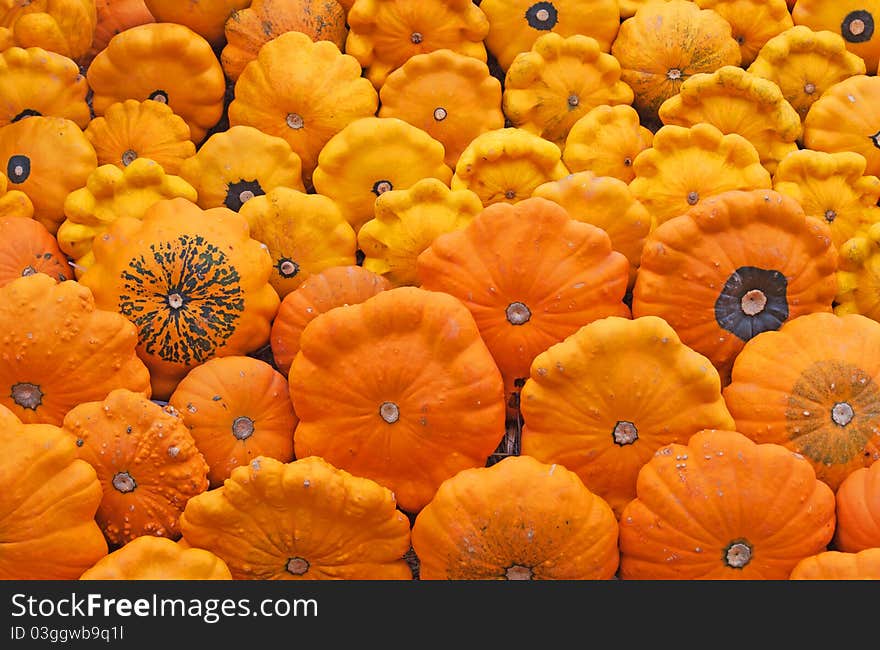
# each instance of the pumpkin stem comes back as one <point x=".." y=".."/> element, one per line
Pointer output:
<point x="242" y="427"/>
<point x="738" y="554"/>
<point x="842" y="413"/>
<point x="518" y="572"/>
<point x="416" y="38"/>
<point x="27" y="395"/>
<point x="573" y="101"/>
<point x="809" y="88"/>
<point x="693" y="197"/>
<point x="753" y="302"/>
<point x="28" y="270"/>
<point x="295" y="121"/>
<point x="673" y="74"/>
<point x="129" y="156"/>
<point x="830" y="215"/>
<point x="440" y="113"/>
<point x="287" y="268"/>
<point x="124" y="482"/>
<point x="380" y="187"/>
<point x="390" y="412"/>
<point x="175" y="300"/>
<point x="625" y="433"/>
<point x="518" y="313"/>
<point x="297" y="566"/>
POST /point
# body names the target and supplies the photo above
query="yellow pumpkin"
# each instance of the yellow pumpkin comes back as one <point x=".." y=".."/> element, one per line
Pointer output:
<point x="303" y="233"/>
<point x="35" y="81"/>
<point x="845" y="118"/>
<point x="606" y="141"/>
<point x="193" y="281"/>
<point x="854" y="20"/>
<point x="833" y="187"/>
<point x="207" y="18"/>
<point x="62" y="26"/>
<point x="405" y="222"/>
<point x="663" y="44"/>
<point x="685" y="165"/>
<point x="858" y="275"/>
<point x="547" y="89"/>
<point x="514" y="25"/>
<point x="110" y="193"/>
<point x="737" y="101"/>
<point x="805" y="63"/>
<point x="46" y="158"/>
<point x="452" y="97"/>
<point x="383" y="34"/>
<point x="166" y="62"/>
<point x="373" y="155"/>
<point x="233" y="166"/>
<point x="148" y="557"/>
<point x="608" y="203"/>
<point x="752" y="22"/>
<point x="149" y="129"/>
<point x="506" y="165"/>
<point x="14" y="203"/>
<point x="306" y="104"/>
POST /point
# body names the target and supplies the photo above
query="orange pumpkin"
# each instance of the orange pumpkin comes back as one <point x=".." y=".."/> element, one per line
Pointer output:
<point x="46" y="372"/>
<point x="440" y="412"/>
<point x="519" y="519"/>
<point x="752" y="22"/>
<point x="146" y="461"/>
<point x="858" y="510"/>
<point x="112" y="17"/>
<point x="236" y="408"/>
<point x="530" y="275"/>
<point x="811" y="386"/>
<point x="325" y="523"/>
<point x="50" y="499"/>
<point x="737" y="264"/>
<point x="837" y="565"/>
<point x="258" y="22"/>
<point x="26" y="247"/>
<point x="206" y="18"/>
<point x="722" y="507"/>
<point x="854" y="20"/>
<point x="334" y="286"/>
<point x="604" y="399"/>
<point x="158" y="558"/>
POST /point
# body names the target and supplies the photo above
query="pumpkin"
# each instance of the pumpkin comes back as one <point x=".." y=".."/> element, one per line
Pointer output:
<point x="148" y="557"/>
<point x="26" y="247"/>
<point x="665" y="43"/>
<point x="685" y="165"/>
<point x="603" y="400"/>
<point x="112" y="17"/>
<point x="62" y="26"/>
<point x="858" y="510"/>
<point x="33" y="150"/>
<point x="35" y="81"/>
<point x="248" y="29"/>
<point x="50" y="498"/>
<point x="450" y="96"/>
<point x="165" y="62"/>
<point x="519" y="519"/>
<point x="858" y="275"/>
<point x="530" y="275"/>
<point x="149" y="129"/>
<point x="833" y="187"/>
<point x="854" y="20"/>
<point x="723" y="507"/>
<point x="606" y="141"/>
<point x="324" y="524"/>
<point x="548" y="88"/>
<point x="438" y="413"/>
<point x="236" y="409"/>
<point x="737" y="101"/>
<point x="845" y="118"/>
<point x="805" y="63"/>
<point x="372" y="155"/>
<point x="334" y="286"/>
<point x="14" y="203"/>
<point x="307" y="103"/>
<point x="110" y="193"/>
<point x="737" y="264"/>
<point x="47" y="371"/>
<point x="192" y="281"/>
<point x="812" y="387"/>
<point x="405" y="222"/>
<point x="304" y="234"/>
<point x="146" y="461"/>
<point x="383" y="34"/>
<point x="235" y="165"/>
<point x="207" y="18"/>
<point x="605" y="202"/>
<point x="514" y="25"/>
<point x="837" y="565"/>
<point x="506" y="165"/>
<point x="752" y="22"/>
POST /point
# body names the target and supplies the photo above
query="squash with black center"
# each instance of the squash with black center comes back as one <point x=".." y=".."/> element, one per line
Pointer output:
<point x="854" y="20"/>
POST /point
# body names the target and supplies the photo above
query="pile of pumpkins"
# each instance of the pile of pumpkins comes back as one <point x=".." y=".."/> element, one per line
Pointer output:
<point x="378" y="289"/>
